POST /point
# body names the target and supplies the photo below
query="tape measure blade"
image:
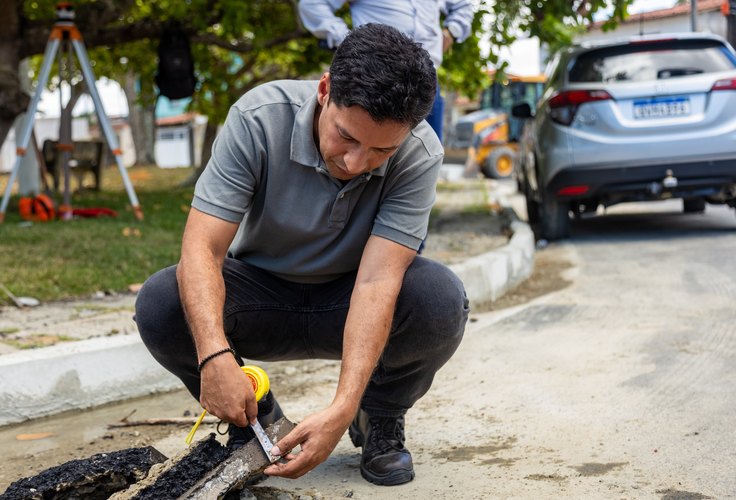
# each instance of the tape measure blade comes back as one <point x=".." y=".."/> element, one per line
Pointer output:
<point x="266" y="443"/>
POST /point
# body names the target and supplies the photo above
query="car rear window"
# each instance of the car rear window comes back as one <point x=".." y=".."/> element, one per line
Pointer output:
<point x="651" y="61"/>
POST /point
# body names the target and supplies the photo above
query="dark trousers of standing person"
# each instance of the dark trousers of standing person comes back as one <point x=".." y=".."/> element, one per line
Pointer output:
<point x="437" y="115"/>
<point x="270" y="319"/>
<point x="436" y="119"/>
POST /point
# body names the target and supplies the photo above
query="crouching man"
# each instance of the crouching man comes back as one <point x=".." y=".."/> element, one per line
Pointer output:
<point x="302" y="243"/>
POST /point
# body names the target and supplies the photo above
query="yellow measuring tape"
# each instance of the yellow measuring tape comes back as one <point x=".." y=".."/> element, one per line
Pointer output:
<point x="261" y="386"/>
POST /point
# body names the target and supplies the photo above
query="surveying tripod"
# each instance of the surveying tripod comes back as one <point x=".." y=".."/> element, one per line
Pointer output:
<point x="65" y="34"/>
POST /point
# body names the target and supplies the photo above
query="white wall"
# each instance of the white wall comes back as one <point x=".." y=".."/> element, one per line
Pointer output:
<point x="173" y="147"/>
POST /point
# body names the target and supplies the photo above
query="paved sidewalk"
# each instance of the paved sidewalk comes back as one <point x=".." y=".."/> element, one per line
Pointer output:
<point x="87" y="352"/>
<point x="59" y="322"/>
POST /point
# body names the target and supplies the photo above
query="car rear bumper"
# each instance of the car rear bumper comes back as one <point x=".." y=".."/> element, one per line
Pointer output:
<point x="713" y="179"/>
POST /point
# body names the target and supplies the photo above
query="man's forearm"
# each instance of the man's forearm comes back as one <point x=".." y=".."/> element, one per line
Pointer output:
<point x="202" y="292"/>
<point x="225" y="390"/>
<point x="459" y="13"/>
<point x="199" y="275"/>
<point x="372" y="306"/>
<point x="319" y="18"/>
<point x="366" y="332"/>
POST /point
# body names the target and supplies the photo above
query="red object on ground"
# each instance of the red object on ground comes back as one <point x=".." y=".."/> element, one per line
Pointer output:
<point x="37" y="209"/>
<point x="94" y="212"/>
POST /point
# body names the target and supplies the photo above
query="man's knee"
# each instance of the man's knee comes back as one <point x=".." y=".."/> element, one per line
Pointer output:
<point x="158" y="308"/>
<point x="428" y="326"/>
<point x="433" y="300"/>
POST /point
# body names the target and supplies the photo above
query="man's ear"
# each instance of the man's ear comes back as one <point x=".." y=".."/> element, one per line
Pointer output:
<point x="323" y="89"/>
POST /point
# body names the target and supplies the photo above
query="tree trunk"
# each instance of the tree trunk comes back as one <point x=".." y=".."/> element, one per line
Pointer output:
<point x="210" y="133"/>
<point x="141" y="121"/>
<point x="29" y="176"/>
<point x="13" y="101"/>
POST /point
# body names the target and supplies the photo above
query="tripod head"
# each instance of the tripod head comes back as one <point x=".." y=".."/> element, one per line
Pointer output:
<point x="64" y="11"/>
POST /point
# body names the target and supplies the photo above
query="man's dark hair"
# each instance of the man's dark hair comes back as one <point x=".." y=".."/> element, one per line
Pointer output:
<point x="383" y="71"/>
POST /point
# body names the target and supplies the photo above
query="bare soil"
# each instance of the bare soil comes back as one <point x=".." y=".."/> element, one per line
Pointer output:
<point x="547" y="277"/>
<point x="454" y="236"/>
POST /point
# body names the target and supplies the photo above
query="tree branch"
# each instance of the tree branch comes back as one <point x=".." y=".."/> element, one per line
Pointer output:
<point x="244" y="46"/>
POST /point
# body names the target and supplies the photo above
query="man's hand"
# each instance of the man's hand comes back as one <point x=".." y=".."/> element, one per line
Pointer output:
<point x="227" y="393"/>
<point x="447" y="40"/>
<point x="318" y="435"/>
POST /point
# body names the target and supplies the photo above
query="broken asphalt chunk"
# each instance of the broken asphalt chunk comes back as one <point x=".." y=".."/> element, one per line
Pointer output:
<point x="175" y="476"/>
<point x="94" y="478"/>
<point x="244" y="463"/>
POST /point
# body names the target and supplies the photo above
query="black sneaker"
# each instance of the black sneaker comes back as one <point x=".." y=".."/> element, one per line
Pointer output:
<point x="384" y="461"/>
<point x="269" y="412"/>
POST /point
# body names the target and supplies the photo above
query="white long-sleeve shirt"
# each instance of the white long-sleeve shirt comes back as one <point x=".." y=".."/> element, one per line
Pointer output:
<point x="418" y="19"/>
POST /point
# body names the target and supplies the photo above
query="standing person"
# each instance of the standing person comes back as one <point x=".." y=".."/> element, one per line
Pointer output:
<point x="301" y="243"/>
<point x="418" y="19"/>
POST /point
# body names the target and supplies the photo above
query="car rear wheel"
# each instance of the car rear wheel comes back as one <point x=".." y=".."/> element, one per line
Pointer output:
<point x="500" y="163"/>
<point x="693" y="205"/>
<point x="554" y="219"/>
<point x="532" y="205"/>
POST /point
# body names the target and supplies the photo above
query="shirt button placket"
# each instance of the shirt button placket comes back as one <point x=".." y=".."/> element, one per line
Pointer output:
<point x="339" y="210"/>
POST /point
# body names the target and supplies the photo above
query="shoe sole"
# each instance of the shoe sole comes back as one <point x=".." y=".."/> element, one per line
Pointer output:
<point x="394" y="478"/>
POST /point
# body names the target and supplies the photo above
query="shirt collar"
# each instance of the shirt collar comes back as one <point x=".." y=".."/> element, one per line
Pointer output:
<point x="303" y="148"/>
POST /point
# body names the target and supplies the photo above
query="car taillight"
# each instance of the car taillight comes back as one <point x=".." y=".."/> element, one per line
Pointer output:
<point x="564" y="105"/>
<point x="573" y="190"/>
<point x="728" y="84"/>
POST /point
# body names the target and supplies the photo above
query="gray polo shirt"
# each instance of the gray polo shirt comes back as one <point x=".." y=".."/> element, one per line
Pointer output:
<point x="297" y="221"/>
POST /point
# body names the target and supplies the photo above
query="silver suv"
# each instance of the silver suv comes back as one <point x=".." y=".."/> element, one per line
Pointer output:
<point x="646" y="118"/>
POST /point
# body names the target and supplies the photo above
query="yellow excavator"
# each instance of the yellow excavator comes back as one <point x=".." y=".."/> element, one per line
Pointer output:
<point x="491" y="134"/>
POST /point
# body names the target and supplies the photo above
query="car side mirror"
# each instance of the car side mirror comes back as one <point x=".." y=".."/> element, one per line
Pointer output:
<point x="522" y="110"/>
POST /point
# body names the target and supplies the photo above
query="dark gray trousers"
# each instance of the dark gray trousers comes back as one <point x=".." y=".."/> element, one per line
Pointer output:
<point x="270" y="319"/>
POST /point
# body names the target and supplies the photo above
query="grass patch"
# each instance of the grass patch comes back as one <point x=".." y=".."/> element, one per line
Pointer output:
<point x="96" y="309"/>
<point x="453" y="187"/>
<point x="56" y="260"/>
<point x="478" y="208"/>
<point x="450" y="187"/>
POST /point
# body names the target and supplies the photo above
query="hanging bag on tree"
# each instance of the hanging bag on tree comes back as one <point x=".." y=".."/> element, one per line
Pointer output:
<point x="175" y="76"/>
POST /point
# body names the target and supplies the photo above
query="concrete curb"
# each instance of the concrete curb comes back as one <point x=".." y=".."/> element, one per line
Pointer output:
<point x="488" y="276"/>
<point x="79" y="375"/>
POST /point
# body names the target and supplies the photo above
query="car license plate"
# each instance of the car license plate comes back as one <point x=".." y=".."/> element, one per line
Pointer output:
<point x="662" y="107"/>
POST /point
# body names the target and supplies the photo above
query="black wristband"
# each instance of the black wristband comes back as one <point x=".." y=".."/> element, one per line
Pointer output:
<point x="214" y="355"/>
